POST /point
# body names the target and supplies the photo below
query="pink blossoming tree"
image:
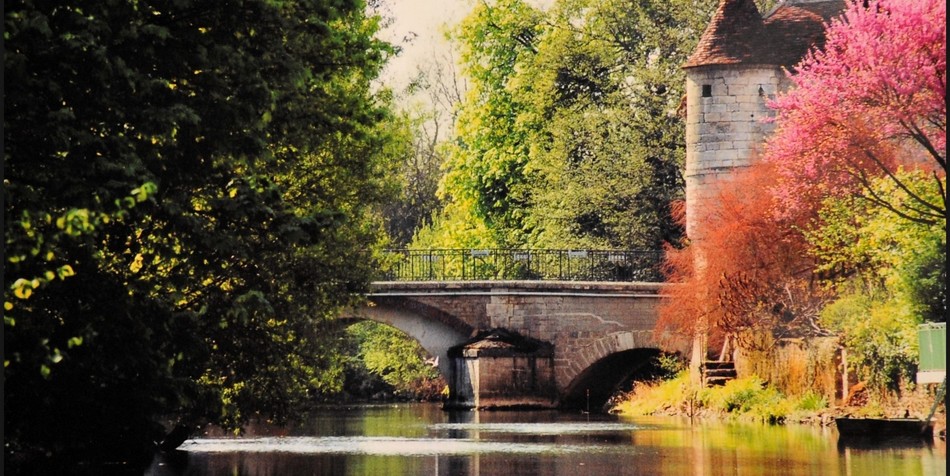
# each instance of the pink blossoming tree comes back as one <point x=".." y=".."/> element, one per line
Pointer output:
<point x="872" y="101"/>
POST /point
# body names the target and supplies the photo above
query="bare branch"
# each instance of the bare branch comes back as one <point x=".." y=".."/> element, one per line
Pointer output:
<point x="918" y="135"/>
<point x="900" y="184"/>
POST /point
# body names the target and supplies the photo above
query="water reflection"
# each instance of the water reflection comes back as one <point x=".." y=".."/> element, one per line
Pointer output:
<point x="422" y="439"/>
<point x="382" y="446"/>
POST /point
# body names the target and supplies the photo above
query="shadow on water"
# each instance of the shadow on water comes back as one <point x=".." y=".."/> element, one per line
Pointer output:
<point x="875" y="442"/>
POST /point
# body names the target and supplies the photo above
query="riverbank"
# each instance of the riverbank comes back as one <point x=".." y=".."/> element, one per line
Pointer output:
<point x="750" y="400"/>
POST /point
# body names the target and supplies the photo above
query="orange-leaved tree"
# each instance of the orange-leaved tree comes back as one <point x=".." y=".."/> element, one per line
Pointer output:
<point x="749" y="274"/>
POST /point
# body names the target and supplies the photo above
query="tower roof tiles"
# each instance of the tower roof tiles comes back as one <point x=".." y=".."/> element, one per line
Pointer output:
<point x="738" y="34"/>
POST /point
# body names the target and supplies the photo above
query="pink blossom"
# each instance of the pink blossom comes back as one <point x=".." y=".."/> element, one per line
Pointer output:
<point x="873" y="99"/>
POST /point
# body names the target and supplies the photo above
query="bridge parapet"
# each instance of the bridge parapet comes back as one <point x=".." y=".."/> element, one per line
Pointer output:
<point x="504" y="286"/>
<point x="538" y="309"/>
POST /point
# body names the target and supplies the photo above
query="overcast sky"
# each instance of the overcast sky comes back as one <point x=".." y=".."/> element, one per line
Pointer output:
<point x="421" y="23"/>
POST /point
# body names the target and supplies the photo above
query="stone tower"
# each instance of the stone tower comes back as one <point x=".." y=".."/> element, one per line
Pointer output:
<point x="738" y="65"/>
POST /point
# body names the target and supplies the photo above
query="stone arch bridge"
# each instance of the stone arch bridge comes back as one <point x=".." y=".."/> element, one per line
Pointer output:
<point x="523" y="344"/>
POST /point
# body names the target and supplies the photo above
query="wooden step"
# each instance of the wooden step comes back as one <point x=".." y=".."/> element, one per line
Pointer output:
<point x="712" y="364"/>
<point x="718" y="373"/>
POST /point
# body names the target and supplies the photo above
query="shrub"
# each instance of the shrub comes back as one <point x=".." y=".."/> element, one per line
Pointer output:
<point x="650" y="399"/>
<point x="747" y="398"/>
<point x="811" y="402"/>
<point x="735" y="396"/>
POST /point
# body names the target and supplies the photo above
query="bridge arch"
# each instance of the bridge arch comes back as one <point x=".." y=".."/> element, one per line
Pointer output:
<point x="435" y="330"/>
<point x="599" y="368"/>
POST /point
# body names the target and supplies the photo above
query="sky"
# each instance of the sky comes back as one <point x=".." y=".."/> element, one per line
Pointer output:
<point x="426" y="20"/>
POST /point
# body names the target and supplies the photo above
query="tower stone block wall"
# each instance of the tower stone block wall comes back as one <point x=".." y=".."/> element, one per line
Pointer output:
<point x="726" y="126"/>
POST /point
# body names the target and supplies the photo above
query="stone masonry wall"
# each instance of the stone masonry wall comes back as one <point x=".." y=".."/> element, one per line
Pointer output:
<point x="582" y="329"/>
<point x="725" y="130"/>
<point x="585" y="321"/>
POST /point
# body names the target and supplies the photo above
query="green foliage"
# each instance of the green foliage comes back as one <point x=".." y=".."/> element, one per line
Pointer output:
<point x="670" y="364"/>
<point x="607" y="131"/>
<point x="880" y="335"/>
<point x="571" y="134"/>
<point x="747" y="397"/>
<point x="191" y="193"/>
<point x="396" y="358"/>
<point x="854" y="235"/>
<point x="811" y="401"/>
<point x="889" y="273"/>
<point x="924" y="278"/>
<point x="485" y="167"/>
<point x="735" y="396"/>
<point x="358" y="382"/>
<point x="455" y="226"/>
<point x="660" y="397"/>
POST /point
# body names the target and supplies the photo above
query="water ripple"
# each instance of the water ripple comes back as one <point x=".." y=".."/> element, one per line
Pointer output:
<point x="379" y="446"/>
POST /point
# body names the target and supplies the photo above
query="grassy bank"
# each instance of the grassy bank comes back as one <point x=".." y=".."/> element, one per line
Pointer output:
<point x="749" y="399"/>
<point x="744" y="399"/>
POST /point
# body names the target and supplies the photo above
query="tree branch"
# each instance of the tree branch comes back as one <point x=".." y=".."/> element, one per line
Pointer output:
<point x="900" y="184"/>
<point x="918" y="135"/>
<point x="873" y="197"/>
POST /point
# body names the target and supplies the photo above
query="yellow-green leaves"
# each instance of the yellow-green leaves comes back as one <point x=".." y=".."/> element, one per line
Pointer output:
<point x="144" y="192"/>
<point x="38" y="242"/>
<point x="23" y="288"/>
<point x="889" y="273"/>
<point x="136" y="263"/>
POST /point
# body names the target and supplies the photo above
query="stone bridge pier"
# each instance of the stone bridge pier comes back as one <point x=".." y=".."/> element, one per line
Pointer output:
<point x="520" y="344"/>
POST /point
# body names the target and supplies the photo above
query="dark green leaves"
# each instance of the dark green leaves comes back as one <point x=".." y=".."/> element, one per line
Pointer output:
<point x="195" y="185"/>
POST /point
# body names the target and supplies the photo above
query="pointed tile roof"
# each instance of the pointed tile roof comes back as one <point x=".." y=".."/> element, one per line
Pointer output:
<point x="725" y="40"/>
<point x="738" y="34"/>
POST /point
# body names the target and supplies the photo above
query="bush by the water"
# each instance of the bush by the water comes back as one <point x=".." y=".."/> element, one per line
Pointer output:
<point x="749" y="398"/>
<point x="745" y="398"/>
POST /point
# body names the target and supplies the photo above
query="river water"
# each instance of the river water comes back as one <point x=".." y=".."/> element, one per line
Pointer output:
<point x="422" y="439"/>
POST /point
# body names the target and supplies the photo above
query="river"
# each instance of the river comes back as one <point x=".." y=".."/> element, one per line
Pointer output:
<point x="421" y="439"/>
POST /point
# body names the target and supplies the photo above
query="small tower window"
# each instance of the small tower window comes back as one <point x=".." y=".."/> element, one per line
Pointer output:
<point x="707" y="90"/>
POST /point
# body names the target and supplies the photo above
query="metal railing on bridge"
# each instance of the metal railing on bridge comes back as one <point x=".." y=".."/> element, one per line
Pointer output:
<point x="522" y="264"/>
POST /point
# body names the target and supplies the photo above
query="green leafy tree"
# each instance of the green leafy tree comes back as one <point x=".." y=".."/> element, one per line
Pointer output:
<point x="571" y="133"/>
<point x="607" y="145"/>
<point x="485" y="167"/>
<point x="889" y="273"/>
<point x="190" y="194"/>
